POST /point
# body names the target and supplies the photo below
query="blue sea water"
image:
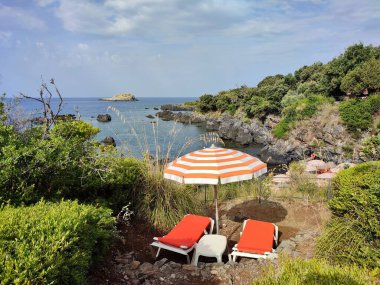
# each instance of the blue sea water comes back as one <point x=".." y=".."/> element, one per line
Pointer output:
<point x="134" y="133"/>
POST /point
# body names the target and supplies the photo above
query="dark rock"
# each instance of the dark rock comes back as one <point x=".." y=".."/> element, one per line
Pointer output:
<point x="150" y="116"/>
<point x="104" y="118"/>
<point x="160" y="262"/>
<point x="109" y="141"/>
<point x="155" y="108"/>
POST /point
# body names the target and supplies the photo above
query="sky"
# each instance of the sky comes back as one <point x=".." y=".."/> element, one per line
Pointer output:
<point x="171" y="48"/>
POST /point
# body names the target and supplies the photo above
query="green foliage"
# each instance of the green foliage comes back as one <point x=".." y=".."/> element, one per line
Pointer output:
<point x="52" y="243"/>
<point x="371" y="147"/>
<point x="357" y="113"/>
<point x="314" y="272"/>
<point x="206" y="103"/>
<point x="297" y="108"/>
<point x="33" y="167"/>
<point x="353" y="234"/>
<point x="295" y="97"/>
<point x="336" y="69"/>
<point x="365" y="76"/>
<point x="74" y="129"/>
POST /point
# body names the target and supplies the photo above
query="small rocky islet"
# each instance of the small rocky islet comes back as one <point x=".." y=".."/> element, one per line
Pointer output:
<point x="128" y="97"/>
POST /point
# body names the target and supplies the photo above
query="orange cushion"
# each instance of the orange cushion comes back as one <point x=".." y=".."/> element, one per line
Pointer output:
<point x="187" y="232"/>
<point x="257" y="237"/>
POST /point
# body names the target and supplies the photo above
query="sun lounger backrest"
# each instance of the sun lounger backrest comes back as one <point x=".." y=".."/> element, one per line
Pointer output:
<point x="257" y="237"/>
<point x="187" y="232"/>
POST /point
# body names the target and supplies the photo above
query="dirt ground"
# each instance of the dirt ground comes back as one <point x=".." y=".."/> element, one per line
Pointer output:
<point x="291" y="216"/>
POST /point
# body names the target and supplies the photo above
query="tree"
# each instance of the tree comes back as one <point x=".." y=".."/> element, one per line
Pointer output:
<point x="365" y="76"/>
<point x="336" y="69"/>
<point x="49" y="115"/>
<point x="206" y="103"/>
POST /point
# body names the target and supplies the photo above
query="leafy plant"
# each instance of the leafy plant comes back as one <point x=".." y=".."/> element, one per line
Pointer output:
<point x="353" y="234"/>
<point x="357" y="113"/>
<point x="52" y="243"/>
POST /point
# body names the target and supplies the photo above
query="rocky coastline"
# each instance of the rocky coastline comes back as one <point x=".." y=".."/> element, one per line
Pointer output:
<point x="327" y="138"/>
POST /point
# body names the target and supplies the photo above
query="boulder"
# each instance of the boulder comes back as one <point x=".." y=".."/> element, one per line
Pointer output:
<point x="109" y="141"/>
<point x="104" y="118"/>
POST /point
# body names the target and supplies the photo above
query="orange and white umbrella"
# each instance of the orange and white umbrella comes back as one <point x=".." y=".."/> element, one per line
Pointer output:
<point x="214" y="165"/>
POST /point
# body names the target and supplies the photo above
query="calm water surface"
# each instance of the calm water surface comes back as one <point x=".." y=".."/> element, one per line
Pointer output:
<point x="133" y="131"/>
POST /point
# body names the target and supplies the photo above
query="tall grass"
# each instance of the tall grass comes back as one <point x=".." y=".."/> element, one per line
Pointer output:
<point x="313" y="272"/>
<point x="160" y="201"/>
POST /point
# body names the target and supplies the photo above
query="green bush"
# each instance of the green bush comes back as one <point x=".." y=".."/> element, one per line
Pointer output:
<point x="364" y="76"/>
<point x="357" y="113"/>
<point x="33" y="167"/>
<point x="298" y="108"/>
<point x="353" y="234"/>
<point x="206" y="103"/>
<point x="314" y="272"/>
<point x="52" y="243"/>
<point x="371" y="147"/>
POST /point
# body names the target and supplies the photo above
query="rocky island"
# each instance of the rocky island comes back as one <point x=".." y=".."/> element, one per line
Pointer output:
<point x="121" y="97"/>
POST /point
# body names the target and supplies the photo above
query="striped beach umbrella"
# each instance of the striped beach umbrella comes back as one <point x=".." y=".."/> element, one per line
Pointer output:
<point x="214" y="165"/>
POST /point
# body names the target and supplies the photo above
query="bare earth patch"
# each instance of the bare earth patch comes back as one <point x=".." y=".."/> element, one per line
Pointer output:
<point x="132" y="259"/>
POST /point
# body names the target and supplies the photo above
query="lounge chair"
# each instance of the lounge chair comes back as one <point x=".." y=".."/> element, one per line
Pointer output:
<point x="256" y="240"/>
<point x="185" y="235"/>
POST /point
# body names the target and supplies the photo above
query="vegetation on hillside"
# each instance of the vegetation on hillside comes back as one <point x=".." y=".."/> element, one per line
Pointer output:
<point x="301" y="94"/>
<point x="353" y="234"/>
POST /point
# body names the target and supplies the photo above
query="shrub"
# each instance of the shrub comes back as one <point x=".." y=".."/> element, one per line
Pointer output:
<point x="371" y="147"/>
<point x="298" y="108"/>
<point x="357" y="113"/>
<point x="206" y="103"/>
<point x="313" y="272"/>
<point x="52" y="243"/>
<point x="353" y="234"/>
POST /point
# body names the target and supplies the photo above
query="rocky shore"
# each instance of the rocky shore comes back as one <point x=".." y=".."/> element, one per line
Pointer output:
<point x="322" y="134"/>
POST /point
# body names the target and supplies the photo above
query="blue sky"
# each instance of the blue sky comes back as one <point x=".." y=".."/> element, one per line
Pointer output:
<point x="171" y="48"/>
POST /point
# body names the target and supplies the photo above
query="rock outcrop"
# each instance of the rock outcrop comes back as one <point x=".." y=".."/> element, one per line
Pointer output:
<point x="104" y="118"/>
<point x="121" y="97"/>
<point x="109" y="141"/>
<point x="323" y="134"/>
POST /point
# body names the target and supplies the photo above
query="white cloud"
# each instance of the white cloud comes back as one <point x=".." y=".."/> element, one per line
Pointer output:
<point x="83" y="46"/>
<point x="5" y="37"/>
<point x="44" y="3"/>
<point x="11" y="17"/>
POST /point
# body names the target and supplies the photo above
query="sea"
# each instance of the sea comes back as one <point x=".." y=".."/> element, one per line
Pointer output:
<point x="134" y="133"/>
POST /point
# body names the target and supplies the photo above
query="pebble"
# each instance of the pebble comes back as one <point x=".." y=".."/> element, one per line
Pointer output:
<point x="135" y="264"/>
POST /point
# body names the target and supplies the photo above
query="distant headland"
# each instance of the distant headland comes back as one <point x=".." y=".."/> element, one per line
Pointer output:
<point x="121" y="97"/>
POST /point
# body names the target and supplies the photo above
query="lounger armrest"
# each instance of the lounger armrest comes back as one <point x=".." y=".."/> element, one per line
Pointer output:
<point x="155" y="238"/>
<point x="212" y="222"/>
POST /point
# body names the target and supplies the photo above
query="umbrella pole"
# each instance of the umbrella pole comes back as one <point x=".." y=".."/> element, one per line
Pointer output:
<point x="216" y="209"/>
